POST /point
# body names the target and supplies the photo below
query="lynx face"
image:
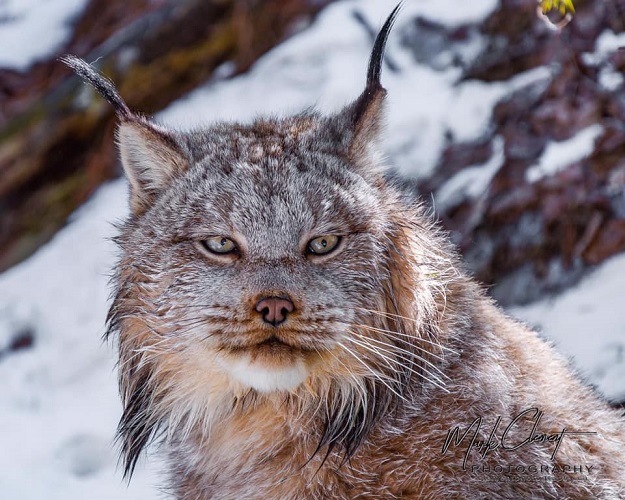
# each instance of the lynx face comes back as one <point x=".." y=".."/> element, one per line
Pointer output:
<point x="262" y="255"/>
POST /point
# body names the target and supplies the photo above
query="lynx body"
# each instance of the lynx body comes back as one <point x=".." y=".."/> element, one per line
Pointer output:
<point x="292" y="325"/>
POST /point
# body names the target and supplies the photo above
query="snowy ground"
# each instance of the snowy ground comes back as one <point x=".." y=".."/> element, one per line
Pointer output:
<point x="59" y="398"/>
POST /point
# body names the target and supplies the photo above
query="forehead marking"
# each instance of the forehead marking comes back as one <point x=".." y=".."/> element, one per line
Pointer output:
<point x="300" y="126"/>
<point x="263" y="149"/>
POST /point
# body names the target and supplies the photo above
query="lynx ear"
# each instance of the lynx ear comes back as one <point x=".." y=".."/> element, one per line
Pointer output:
<point x="151" y="157"/>
<point x="361" y="122"/>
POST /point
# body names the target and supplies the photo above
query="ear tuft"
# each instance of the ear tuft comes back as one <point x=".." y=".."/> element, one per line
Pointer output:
<point x="151" y="158"/>
<point x="374" y="93"/>
<point x="99" y="82"/>
<point x="377" y="54"/>
<point x="360" y="123"/>
<point x="150" y="154"/>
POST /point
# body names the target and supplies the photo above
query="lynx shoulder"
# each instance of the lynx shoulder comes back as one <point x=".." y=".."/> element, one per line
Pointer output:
<point x="291" y="326"/>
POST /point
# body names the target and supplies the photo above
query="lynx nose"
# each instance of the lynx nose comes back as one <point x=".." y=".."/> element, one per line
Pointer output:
<point x="274" y="309"/>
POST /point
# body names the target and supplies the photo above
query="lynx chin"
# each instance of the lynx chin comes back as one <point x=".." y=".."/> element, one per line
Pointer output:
<point x="292" y="325"/>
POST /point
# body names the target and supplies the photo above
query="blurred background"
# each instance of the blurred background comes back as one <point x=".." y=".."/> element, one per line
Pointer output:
<point x="511" y="130"/>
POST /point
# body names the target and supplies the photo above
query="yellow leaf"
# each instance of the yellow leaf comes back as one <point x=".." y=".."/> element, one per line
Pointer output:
<point x="564" y="6"/>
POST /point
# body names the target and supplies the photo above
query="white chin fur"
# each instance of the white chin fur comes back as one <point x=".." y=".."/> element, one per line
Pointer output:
<point x="267" y="379"/>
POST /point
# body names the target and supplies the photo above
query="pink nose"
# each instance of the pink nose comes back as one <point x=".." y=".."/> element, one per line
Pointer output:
<point x="274" y="309"/>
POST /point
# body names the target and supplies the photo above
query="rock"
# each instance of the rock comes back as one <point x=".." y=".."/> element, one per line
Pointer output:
<point x="608" y="241"/>
<point x="522" y="238"/>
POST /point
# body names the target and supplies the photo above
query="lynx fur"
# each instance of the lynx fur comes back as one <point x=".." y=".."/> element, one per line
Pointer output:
<point x="292" y="325"/>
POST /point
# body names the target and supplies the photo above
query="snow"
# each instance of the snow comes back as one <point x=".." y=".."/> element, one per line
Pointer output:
<point x="30" y="30"/>
<point x="60" y="401"/>
<point x="469" y="114"/>
<point x="609" y="78"/>
<point x="607" y="43"/>
<point x="588" y="323"/>
<point x="470" y="182"/>
<point x="59" y="397"/>
<point x="559" y="155"/>
<point x="444" y="12"/>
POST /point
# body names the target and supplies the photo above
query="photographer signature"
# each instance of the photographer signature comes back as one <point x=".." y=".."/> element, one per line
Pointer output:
<point x="505" y="442"/>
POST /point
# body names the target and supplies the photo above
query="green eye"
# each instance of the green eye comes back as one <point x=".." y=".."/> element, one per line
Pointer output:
<point x="322" y="245"/>
<point x="220" y="245"/>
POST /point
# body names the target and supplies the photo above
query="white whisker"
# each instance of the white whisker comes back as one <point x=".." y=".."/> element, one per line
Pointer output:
<point x="437" y="381"/>
<point x="413" y="337"/>
<point x="375" y="374"/>
<point x="409" y="355"/>
<point x="433" y="354"/>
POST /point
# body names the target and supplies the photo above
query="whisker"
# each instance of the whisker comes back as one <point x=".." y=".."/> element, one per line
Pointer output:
<point x="136" y="354"/>
<point x="188" y="306"/>
<point x="391" y="316"/>
<point x="198" y="319"/>
<point x="409" y="355"/>
<point x="413" y="337"/>
<point x="437" y="381"/>
<point x="152" y="347"/>
<point x="411" y="344"/>
<point x="351" y="374"/>
<point x="387" y="359"/>
<point x="358" y="386"/>
<point x="206" y="337"/>
<point x="375" y="374"/>
<point x="387" y="314"/>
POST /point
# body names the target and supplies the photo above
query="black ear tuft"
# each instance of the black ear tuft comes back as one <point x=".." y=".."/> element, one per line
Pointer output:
<point x="374" y="93"/>
<point x="150" y="154"/>
<point x="377" y="54"/>
<point x="102" y="84"/>
<point x="359" y="124"/>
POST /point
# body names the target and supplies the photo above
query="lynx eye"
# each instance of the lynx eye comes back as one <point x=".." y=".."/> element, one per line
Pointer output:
<point x="322" y="245"/>
<point x="219" y="245"/>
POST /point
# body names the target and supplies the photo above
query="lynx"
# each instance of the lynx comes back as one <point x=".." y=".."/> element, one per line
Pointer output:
<point x="292" y="325"/>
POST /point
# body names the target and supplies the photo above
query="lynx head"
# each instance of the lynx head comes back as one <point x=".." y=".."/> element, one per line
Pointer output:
<point x="270" y="260"/>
